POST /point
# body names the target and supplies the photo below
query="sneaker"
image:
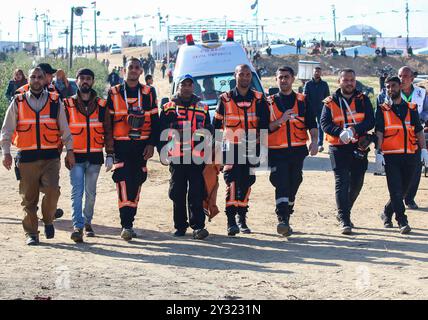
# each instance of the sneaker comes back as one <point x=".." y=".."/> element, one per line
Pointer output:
<point x="242" y="224"/>
<point x="232" y="230"/>
<point x="134" y="234"/>
<point x="127" y="234"/>
<point x="345" y="225"/>
<point x="387" y="222"/>
<point x="340" y="220"/>
<point x="49" y="231"/>
<point x="59" y="213"/>
<point x="405" y="229"/>
<point x="77" y="236"/>
<point x="180" y="233"/>
<point x="32" y="240"/>
<point x="89" y="232"/>
<point x="412" y="205"/>
<point x="200" y="234"/>
<point x="320" y="149"/>
<point x="284" y="229"/>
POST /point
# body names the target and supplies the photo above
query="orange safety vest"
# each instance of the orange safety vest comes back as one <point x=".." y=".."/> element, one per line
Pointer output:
<point x="26" y="88"/>
<point x="87" y="131"/>
<point x="292" y="133"/>
<point x="37" y="130"/>
<point x="194" y="115"/>
<point x="121" y="127"/>
<point x="234" y="125"/>
<point x="339" y="117"/>
<point x="399" y="136"/>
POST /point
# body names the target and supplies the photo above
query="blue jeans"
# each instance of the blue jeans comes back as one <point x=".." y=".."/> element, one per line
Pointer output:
<point x="83" y="178"/>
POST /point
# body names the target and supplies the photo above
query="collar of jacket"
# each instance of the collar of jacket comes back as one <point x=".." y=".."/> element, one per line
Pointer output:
<point x="92" y="105"/>
<point x="249" y="96"/>
<point x="338" y="94"/>
<point x="179" y="101"/>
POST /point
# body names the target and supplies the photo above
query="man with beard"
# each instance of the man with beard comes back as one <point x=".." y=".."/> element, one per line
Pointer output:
<point x="39" y="120"/>
<point x="346" y="118"/>
<point x="290" y="120"/>
<point x="241" y="114"/>
<point x="399" y="132"/>
<point x="418" y="96"/>
<point x="88" y="121"/>
<point x="135" y="127"/>
<point x="185" y="117"/>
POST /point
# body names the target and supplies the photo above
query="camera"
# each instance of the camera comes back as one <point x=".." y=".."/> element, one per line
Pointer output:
<point x="364" y="143"/>
<point x="136" y="119"/>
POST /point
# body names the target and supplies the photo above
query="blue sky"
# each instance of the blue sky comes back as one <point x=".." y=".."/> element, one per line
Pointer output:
<point x="282" y="19"/>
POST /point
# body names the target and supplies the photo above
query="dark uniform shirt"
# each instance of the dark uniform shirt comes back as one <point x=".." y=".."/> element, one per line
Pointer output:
<point x="284" y="103"/>
<point x="148" y="104"/>
<point x="362" y="128"/>
<point x="262" y="113"/>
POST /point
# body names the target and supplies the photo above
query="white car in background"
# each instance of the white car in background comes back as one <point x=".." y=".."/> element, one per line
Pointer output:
<point x="115" y="49"/>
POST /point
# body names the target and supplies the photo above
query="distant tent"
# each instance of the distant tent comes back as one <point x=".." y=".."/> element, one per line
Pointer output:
<point x="362" y="51"/>
<point x="282" y="50"/>
<point x="421" y="51"/>
<point x="361" y="29"/>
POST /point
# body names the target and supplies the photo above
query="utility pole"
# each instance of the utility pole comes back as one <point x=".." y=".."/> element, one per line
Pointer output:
<point x="66" y="32"/>
<point x="407" y="22"/>
<point x="96" y="13"/>
<point x="45" y="22"/>
<point x="70" y="63"/>
<point x="19" y="31"/>
<point x="334" y="22"/>
<point x="36" y="20"/>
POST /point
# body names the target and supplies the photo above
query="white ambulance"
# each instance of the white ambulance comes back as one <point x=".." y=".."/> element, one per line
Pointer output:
<point x="212" y="64"/>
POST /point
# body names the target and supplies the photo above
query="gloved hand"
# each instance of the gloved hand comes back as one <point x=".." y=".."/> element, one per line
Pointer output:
<point x="346" y="136"/>
<point x="109" y="163"/>
<point x="424" y="156"/>
<point x="380" y="163"/>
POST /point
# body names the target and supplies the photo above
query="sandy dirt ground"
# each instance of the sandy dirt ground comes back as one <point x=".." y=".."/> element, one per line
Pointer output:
<point x="317" y="262"/>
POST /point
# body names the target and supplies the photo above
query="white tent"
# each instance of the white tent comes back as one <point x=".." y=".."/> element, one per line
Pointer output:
<point x="362" y="51"/>
<point x="283" y="49"/>
<point x="421" y="51"/>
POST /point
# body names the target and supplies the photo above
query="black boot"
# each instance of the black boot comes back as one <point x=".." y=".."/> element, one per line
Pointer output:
<point x="345" y="224"/>
<point x="232" y="227"/>
<point x="242" y="223"/>
<point x="283" y="227"/>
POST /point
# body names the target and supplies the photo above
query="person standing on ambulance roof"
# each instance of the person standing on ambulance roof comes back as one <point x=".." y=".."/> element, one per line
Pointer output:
<point x="183" y="117"/>
<point x="88" y="120"/>
<point x="291" y="118"/>
<point x="135" y="127"/>
<point x="400" y="133"/>
<point x="241" y="114"/>
<point x="418" y="96"/>
<point x="346" y="118"/>
<point x="37" y="123"/>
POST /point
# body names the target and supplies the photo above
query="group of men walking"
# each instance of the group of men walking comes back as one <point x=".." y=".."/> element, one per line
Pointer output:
<point x="128" y="127"/>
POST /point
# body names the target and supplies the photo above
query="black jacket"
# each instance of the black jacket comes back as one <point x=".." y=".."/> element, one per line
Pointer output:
<point x="315" y="93"/>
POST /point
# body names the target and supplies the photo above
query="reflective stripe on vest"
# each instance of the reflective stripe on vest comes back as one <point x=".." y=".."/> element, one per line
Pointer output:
<point x="37" y="130"/>
<point x="399" y="136"/>
<point x="121" y="127"/>
<point x="295" y="127"/>
<point x="88" y="132"/>
<point x="339" y="118"/>
<point x="234" y="125"/>
<point x="193" y="117"/>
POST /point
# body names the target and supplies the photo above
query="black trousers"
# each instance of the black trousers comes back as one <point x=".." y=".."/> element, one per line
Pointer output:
<point x="187" y="181"/>
<point x="349" y="173"/>
<point x="129" y="175"/>
<point x="416" y="180"/>
<point x="239" y="180"/>
<point x="286" y="176"/>
<point x="400" y="170"/>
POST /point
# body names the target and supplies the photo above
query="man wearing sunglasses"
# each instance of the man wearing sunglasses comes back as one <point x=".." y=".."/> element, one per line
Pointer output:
<point x="135" y="127"/>
<point x="41" y="127"/>
<point x="290" y="120"/>
<point x="241" y="114"/>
